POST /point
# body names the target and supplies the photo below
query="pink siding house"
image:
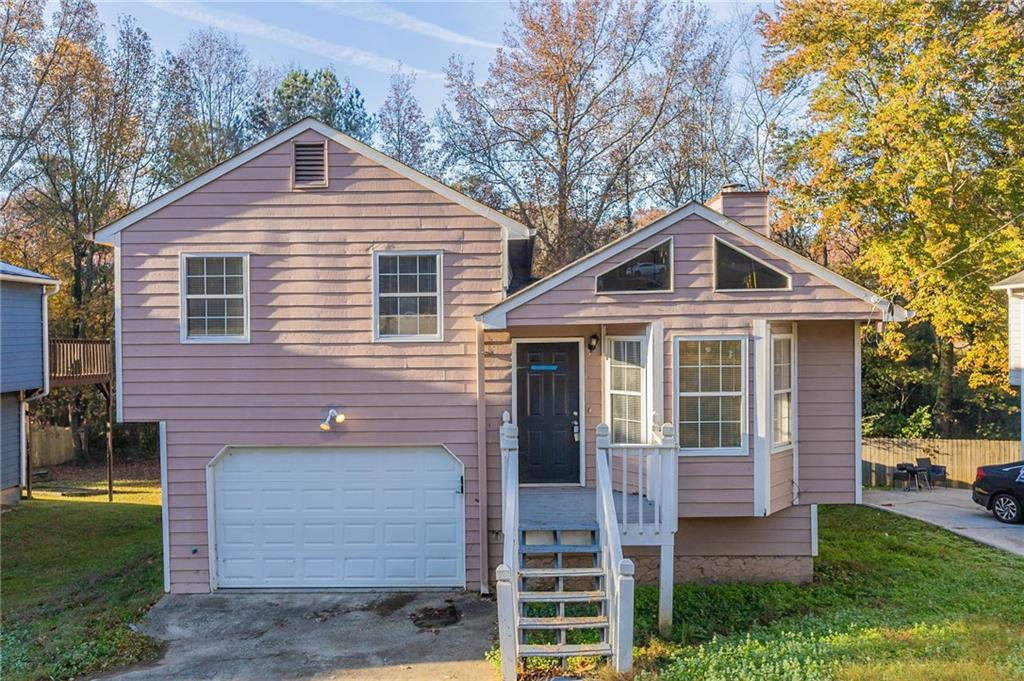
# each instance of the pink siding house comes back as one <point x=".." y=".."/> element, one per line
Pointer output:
<point x="355" y="389"/>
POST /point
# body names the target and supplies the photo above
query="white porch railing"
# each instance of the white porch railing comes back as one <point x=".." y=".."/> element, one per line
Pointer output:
<point x="646" y="479"/>
<point x="618" y="571"/>
<point x="505" y="574"/>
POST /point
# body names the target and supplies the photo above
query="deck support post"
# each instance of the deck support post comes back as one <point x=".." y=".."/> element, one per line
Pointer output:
<point x="506" y="622"/>
<point x="666" y="575"/>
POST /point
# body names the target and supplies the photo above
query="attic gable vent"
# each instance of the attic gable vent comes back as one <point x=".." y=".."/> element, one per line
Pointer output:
<point x="310" y="164"/>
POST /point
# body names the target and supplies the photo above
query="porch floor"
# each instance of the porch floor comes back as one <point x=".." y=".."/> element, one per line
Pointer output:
<point x="572" y="508"/>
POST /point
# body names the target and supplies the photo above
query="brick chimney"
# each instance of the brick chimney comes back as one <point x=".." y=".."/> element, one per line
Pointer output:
<point x="745" y="207"/>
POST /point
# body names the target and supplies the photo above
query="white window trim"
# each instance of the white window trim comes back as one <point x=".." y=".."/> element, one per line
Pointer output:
<point x="671" y="273"/>
<point x="744" y="448"/>
<point x="645" y="398"/>
<point x="426" y="338"/>
<point x="183" y="300"/>
<point x="714" y="269"/>
<point x="772" y="391"/>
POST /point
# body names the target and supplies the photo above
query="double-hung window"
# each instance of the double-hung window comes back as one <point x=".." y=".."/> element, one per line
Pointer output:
<point x="710" y="398"/>
<point x="782" y="391"/>
<point x="626" y="390"/>
<point x="407" y="296"/>
<point x="214" y="297"/>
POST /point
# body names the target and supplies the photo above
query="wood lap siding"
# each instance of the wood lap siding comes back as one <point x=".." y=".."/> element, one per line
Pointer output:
<point x="781" y="493"/>
<point x="825" y="412"/>
<point x="311" y="328"/>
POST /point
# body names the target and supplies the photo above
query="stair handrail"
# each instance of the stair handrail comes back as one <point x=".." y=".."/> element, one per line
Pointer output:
<point x="507" y="574"/>
<point x="618" y="571"/>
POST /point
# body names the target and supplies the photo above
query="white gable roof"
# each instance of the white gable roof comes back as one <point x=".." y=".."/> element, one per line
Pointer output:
<point x="1012" y="282"/>
<point x="109" y="234"/>
<point x="494" y="318"/>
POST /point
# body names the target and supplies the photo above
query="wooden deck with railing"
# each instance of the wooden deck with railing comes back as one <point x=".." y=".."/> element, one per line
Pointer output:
<point x="77" y="361"/>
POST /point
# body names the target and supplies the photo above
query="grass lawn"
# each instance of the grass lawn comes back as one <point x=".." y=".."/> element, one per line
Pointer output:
<point x="893" y="598"/>
<point x="74" y="572"/>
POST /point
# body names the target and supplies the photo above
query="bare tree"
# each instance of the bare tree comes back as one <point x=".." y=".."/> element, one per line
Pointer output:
<point x="404" y="131"/>
<point x="92" y="162"/>
<point x="208" y="87"/>
<point x="32" y="57"/>
<point x="575" y="95"/>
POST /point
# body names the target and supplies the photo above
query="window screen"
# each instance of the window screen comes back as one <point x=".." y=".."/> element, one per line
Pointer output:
<point x="782" y="390"/>
<point x="408" y="295"/>
<point x="736" y="270"/>
<point x="625" y="391"/>
<point x="710" y="394"/>
<point x="649" y="271"/>
<point x="215" y="296"/>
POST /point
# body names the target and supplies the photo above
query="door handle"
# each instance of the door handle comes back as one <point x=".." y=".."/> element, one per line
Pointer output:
<point x="576" y="426"/>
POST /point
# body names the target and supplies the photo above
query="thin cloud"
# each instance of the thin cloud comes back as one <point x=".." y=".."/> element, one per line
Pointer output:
<point x="239" y="23"/>
<point x="388" y="16"/>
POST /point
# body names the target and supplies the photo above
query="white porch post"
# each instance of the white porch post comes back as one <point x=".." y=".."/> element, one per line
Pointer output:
<point x="506" y="622"/>
<point x="622" y="651"/>
<point x="670" y="519"/>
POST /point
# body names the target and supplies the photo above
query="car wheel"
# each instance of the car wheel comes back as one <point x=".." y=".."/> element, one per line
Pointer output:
<point x="1006" y="508"/>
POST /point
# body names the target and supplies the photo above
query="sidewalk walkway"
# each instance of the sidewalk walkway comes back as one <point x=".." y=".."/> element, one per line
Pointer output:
<point x="951" y="509"/>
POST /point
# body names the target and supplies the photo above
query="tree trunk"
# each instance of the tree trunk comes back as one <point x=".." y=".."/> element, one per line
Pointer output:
<point x="943" y="413"/>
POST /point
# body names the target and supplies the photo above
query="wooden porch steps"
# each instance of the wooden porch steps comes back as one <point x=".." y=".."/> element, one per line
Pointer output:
<point x="565" y="650"/>
<point x="561" y="572"/>
<point x="592" y="622"/>
<point x="561" y="596"/>
<point x="560" y="548"/>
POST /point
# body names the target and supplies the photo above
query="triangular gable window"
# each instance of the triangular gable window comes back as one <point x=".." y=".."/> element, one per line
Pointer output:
<point x="649" y="271"/>
<point x="737" y="271"/>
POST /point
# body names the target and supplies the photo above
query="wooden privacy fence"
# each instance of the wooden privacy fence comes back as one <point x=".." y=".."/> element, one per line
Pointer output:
<point x="960" y="457"/>
<point x="50" y="445"/>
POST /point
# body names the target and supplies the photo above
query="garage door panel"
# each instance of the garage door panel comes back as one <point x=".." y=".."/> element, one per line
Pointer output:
<point x="330" y="518"/>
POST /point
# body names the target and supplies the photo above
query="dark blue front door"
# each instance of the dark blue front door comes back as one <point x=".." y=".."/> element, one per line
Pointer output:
<point x="548" y="407"/>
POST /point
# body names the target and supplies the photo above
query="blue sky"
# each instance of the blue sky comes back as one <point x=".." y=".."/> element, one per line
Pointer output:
<point x="364" y="41"/>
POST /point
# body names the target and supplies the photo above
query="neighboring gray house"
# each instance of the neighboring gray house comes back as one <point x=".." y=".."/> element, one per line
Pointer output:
<point x="1014" y="287"/>
<point x="24" y="365"/>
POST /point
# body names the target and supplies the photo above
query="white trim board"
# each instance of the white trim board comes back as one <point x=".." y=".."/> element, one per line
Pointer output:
<point x="581" y="343"/>
<point x="762" y="416"/>
<point x="108" y="234"/>
<point x="858" y="454"/>
<point x="495" y="317"/>
<point x="165" y="507"/>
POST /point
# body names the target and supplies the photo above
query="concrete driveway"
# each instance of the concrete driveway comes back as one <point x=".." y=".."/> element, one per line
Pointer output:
<point x="318" y="636"/>
<point x="953" y="510"/>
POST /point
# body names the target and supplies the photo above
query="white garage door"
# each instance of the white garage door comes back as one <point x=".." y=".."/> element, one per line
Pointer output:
<point x="367" y="517"/>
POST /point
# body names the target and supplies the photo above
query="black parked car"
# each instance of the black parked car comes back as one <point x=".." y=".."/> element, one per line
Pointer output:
<point x="1000" y="489"/>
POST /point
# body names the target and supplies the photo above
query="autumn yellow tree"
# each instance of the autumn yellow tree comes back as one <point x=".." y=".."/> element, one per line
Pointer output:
<point x="912" y="167"/>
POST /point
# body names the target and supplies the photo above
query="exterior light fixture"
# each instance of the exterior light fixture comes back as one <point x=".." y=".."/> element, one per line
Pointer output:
<point x="592" y="343"/>
<point x="332" y="415"/>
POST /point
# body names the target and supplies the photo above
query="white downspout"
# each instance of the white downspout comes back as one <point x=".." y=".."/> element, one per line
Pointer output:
<point x="47" y="292"/>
